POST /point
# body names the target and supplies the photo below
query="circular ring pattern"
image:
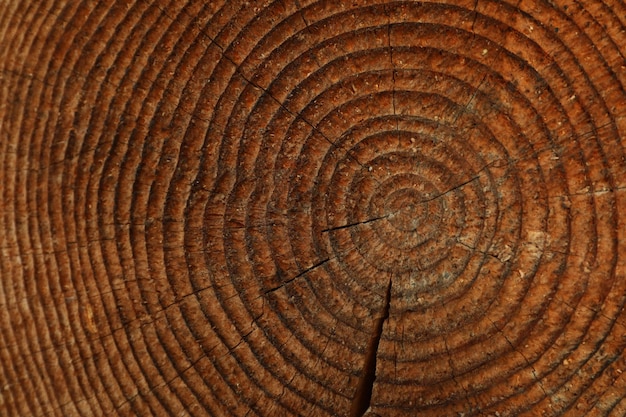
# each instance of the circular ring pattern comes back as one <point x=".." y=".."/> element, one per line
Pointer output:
<point x="291" y="207"/>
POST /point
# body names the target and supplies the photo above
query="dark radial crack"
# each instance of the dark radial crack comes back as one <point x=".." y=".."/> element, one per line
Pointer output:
<point x="462" y="184"/>
<point x="363" y="395"/>
<point x="464" y="108"/>
<point x="426" y="200"/>
<point x="456" y="187"/>
<point x="306" y="271"/>
<point x="345" y="226"/>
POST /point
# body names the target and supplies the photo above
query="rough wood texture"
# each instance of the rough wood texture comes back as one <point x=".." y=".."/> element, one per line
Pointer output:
<point x="328" y="208"/>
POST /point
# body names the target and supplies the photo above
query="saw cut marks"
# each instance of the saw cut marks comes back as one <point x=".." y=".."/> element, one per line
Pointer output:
<point x="324" y="208"/>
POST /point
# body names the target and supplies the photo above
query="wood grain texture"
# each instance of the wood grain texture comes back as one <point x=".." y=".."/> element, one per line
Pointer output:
<point x="318" y="208"/>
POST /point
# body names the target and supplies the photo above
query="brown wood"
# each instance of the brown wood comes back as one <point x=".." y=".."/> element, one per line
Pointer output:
<point x="331" y="208"/>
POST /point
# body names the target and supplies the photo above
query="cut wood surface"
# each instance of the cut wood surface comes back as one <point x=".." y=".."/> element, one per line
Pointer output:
<point x="312" y="208"/>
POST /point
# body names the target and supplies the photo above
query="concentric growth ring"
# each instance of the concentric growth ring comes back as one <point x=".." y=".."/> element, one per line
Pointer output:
<point x="385" y="208"/>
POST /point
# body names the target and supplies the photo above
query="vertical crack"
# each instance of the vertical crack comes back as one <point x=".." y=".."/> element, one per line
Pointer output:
<point x="363" y="395"/>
